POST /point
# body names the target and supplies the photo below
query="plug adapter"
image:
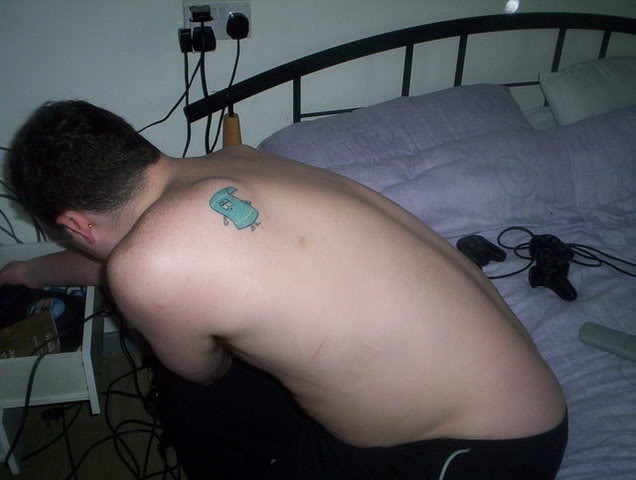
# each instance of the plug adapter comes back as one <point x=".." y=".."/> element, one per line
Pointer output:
<point x="203" y="39"/>
<point x="185" y="40"/>
<point x="200" y="13"/>
<point x="238" y="26"/>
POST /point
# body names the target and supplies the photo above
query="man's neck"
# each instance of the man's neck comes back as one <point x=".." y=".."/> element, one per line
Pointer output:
<point x="159" y="178"/>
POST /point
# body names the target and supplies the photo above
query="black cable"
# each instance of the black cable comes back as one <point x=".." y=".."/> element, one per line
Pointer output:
<point x="116" y="434"/>
<point x="147" y="455"/>
<point x="5" y="149"/>
<point x="153" y="436"/>
<point x="234" y="69"/>
<point x="101" y="442"/>
<point x="38" y="229"/>
<point x="152" y="433"/>
<point x="25" y="412"/>
<point x="118" y="443"/>
<point x="141" y="397"/>
<point x="186" y="76"/>
<point x="7" y="186"/>
<point x="583" y="251"/>
<point x="174" y="107"/>
<point x="236" y="61"/>
<point x="51" y="442"/>
<point x="516" y="249"/>
<point x="67" y="440"/>
<point x="29" y="389"/>
<point x="204" y="88"/>
<point x="515" y="272"/>
<point x="41" y="235"/>
<point x="69" y="330"/>
<point x="10" y="232"/>
<point x="130" y="359"/>
<point x="13" y="198"/>
<point x="123" y="424"/>
<point x="509" y="229"/>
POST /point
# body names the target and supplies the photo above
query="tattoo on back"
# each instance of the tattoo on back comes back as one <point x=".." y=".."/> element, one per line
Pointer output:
<point x="240" y="212"/>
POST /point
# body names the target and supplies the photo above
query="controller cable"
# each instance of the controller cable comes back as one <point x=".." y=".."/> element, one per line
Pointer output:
<point x="591" y="254"/>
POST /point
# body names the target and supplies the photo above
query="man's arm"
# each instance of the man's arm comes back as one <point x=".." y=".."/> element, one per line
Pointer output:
<point x="160" y="305"/>
<point x="68" y="267"/>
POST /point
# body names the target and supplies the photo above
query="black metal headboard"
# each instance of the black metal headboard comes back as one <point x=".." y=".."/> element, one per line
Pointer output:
<point x="407" y="38"/>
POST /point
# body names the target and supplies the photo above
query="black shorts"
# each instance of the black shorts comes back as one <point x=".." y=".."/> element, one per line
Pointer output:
<point x="319" y="455"/>
<point x="231" y="429"/>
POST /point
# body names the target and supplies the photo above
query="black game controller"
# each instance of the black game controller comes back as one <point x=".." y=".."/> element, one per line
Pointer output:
<point x="480" y="250"/>
<point x="552" y="258"/>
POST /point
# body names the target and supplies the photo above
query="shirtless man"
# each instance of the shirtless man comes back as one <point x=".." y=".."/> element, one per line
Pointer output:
<point x="382" y="331"/>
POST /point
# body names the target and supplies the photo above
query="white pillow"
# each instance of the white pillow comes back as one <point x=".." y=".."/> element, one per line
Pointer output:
<point x="590" y="88"/>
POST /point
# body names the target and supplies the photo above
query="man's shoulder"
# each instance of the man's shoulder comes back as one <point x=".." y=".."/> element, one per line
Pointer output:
<point x="177" y="231"/>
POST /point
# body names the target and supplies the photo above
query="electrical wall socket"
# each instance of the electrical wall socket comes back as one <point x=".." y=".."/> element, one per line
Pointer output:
<point x="220" y="12"/>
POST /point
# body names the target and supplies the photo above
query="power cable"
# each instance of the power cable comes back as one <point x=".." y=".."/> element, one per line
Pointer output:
<point x="234" y="69"/>
<point x="178" y="102"/>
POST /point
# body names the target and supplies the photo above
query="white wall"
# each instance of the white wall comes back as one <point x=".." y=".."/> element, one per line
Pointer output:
<point x="123" y="55"/>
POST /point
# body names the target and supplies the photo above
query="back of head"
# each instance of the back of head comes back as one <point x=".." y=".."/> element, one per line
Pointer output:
<point x="71" y="155"/>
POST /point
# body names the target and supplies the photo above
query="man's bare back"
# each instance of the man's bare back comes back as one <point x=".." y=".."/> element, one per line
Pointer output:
<point x="381" y="330"/>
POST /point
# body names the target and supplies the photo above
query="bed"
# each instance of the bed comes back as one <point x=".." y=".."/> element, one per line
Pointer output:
<point x="468" y="160"/>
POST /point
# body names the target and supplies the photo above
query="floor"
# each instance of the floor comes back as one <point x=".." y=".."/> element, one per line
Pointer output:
<point x="92" y="447"/>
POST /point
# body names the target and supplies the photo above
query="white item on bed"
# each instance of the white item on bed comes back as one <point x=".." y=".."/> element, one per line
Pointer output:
<point x="540" y="117"/>
<point x="590" y="88"/>
<point x="622" y="344"/>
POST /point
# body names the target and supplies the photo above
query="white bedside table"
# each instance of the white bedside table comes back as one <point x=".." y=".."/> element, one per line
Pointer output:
<point x="60" y="377"/>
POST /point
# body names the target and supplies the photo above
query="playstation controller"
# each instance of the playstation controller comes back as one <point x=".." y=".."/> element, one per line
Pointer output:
<point x="552" y="266"/>
<point x="479" y="250"/>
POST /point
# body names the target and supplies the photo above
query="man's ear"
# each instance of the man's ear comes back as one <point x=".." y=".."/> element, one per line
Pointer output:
<point x="77" y="224"/>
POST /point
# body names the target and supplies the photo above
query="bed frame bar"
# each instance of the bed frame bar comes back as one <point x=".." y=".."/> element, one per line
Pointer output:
<point x="407" y="38"/>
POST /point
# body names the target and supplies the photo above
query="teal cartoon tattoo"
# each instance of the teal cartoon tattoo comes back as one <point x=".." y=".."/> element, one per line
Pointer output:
<point x="240" y="212"/>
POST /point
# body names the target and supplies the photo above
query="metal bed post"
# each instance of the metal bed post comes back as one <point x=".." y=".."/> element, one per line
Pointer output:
<point x="406" y="73"/>
<point x="558" y="50"/>
<point x="296" y="100"/>
<point x="604" y="43"/>
<point x="461" y="57"/>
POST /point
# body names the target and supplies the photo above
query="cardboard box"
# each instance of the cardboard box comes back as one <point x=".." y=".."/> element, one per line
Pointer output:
<point x="30" y="336"/>
<point x="32" y="317"/>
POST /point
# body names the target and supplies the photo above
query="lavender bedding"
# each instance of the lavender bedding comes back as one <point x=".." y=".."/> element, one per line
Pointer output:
<point x="466" y="161"/>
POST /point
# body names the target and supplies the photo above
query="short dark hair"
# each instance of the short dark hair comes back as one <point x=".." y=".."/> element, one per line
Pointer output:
<point x="72" y="155"/>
